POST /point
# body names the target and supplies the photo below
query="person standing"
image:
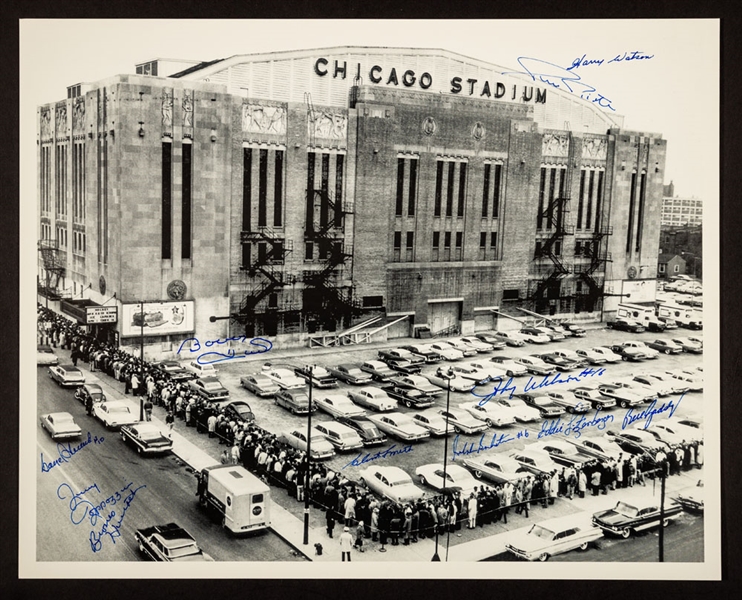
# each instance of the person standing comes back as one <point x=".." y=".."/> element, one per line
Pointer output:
<point x="346" y="543"/>
<point x="330" y="519"/>
<point x="472" y="506"/>
<point x="170" y="422"/>
<point x="148" y="410"/>
<point x="595" y="482"/>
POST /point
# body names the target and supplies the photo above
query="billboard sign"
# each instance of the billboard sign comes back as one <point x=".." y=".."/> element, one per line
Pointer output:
<point x="157" y="318"/>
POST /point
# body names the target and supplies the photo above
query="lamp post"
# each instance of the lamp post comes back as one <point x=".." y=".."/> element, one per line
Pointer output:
<point x="309" y="452"/>
<point x="141" y="360"/>
<point x="448" y="375"/>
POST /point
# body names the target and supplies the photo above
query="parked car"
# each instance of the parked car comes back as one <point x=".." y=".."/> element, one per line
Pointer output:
<point x="316" y="376"/>
<point x="365" y="428"/>
<point x="622" y="395"/>
<point x="496" y="467"/>
<point x="400" y="426"/>
<point x="554" y="333"/>
<point x="463" y="347"/>
<point x="45" y="356"/>
<point x="511" y="338"/>
<point x="660" y="388"/>
<point x="628" y="353"/>
<point x="416" y="382"/>
<point x="593" y="358"/>
<point x="520" y="410"/>
<point x="430" y="420"/>
<point x="665" y="346"/>
<point x="625" y="325"/>
<point x="447" y="351"/>
<point x="424" y="350"/>
<point x="694" y="382"/>
<point x="378" y="370"/>
<point x="637" y="441"/>
<point x="688" y="345"/>
<point x="60" y="425"/>
<point x="535" y="365"/>
<point x="669" y="323"/>
<point x="491" y="339"/>
<point x="114" y="413"/>
<point x="512" y="368"/>
<point x="470" y="372"/>
<point x="602" y="351"/>
<point x="392" y="483"/>
<point x="574" y="330"/>
<point x="646" y="392"/>
<point x="560" y="362"/>
<point x="691" y="498"/>
<point x="239" y="412"/>
<point x="563" y="452"/>
<point x="642" y="347"/>
<point x="534" y="336"/>
<point x="672" y="433"/>
<point x="490" y="370"/>
<point x="286" y="379"/>
<point x="492" y="413"/>
<point x="569" y="401"/>
<point x="90" y="390"/>
<point x="553" y="536"/>
<point x="209" y="388"/>
<point x="457" y="383"/>
<point x="297" y="438"/>
<point x="200" y="370"/>
<point x="403" y="355"/>
<point x="676" y="386"/>
<point x="295" y="401"/>
<point x="66" y="375"/>
<point x="410" y="397"/>
<point x="337" y="405"/>
<point x="173" y="371"/>
<point x="146" y="438"/>
<point x="169" y="543"/>
<point x="545" y="405"/>
<point x="341" y="436"/>
<point x="537" y="462"/>
<point x="477" y="344"/>
<point x="570" y="355"/>
<point x="373" y="398"/>
<point x="350" y="373"/>
<point x="628" y="517"/>
<point x="592" y="395"/>
<point x="260" y="385"/>
<point x="601" y="447"/>
<point x="462" y="421"/>
<point x="400" y="365"/>
<point x="695" y="421"/>
<point x="457" y="478"/>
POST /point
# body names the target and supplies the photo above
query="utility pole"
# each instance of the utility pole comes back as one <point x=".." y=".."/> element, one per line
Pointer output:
<point x="141" y="361"/>
<point x="309" y="451"/>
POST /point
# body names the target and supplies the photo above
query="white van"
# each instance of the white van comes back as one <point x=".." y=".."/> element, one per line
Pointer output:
<point x="242" y="500"/>
<point x="645" y="315"/>
<point x="682" y="315"/>
<point x="339" y="435"/>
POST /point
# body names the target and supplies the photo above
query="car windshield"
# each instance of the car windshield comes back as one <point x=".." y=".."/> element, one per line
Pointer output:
<point x="542" y="401"/>
<point x="626" y="509"/>
<point x="349" y="435"/>
<point x="357" y="372"/>
<point x="212" y="385"/>
<point x="149" y="434"/>
<point x="541" y="532"/>
<point x="242" y="410"/>
<point x="118" y="409"/>
<point x="182" y="551"/>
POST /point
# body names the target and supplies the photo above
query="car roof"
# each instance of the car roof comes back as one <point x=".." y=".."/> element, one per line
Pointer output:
<point x="145" y="426"/>
<point x="61" y="416"/>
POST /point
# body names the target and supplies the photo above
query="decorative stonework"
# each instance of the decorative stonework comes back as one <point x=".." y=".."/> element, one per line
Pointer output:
<point x="643" y="155"/>
<point x="595" y="148"/>
<point x="555" y="144"/>
<point x="187" y="108"/>
<point x="61" y="118"/>
<point x="78" y="115"/>
<point x="46" y="123"/>
<point x="328" y="125"/>
<point x="429" y="126"/>
<point x="167" y="109"/>
<point x="263" y="119"/>
<point x="102" y="284"/>
<point x="176" y="289"/>
<point x="478" y="131"/>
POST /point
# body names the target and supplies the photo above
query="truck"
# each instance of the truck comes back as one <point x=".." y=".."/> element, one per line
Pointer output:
<point x="643" y="314"/>
<point x="241" y="500"/>
<point x="684" y="316"/>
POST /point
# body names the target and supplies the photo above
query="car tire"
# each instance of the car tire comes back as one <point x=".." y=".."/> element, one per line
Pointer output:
<point x="457" y="429"/>
<point x="624" y="358"/>
<point x="510" y="374"/>
<point x="423" y="480"/>
<point x="625" y="533"/>
<point x="543" y="557"/>
<point x="624" y="404"/>
<point x="139" y="449"/>
<point x="667" y="351"/>
<point x="408" y="404"/>
<point x="583" y="546"/>
<point x="489" y="422"/>
<point x="141" y="546"/>
<point x="571" y="410"/>
<point x="123" y="437"/>
<point x="665" y="522"/>
<point x="478" y="474"/>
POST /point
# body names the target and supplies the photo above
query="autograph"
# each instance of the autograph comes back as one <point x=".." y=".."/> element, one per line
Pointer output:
<point x="207" y="358"/>
<point x="575" y="425"/>
<point x="66" y="452"/>
<point x="649" y="412"/>
<point x="479" y="446"/>
<point x="390" y="451"/>
<point x="560" y="78"/>
<point x="583" y="61"/>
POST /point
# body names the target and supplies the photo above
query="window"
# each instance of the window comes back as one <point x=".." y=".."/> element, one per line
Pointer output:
<point x="373" y="301"/>
<point x="537" y="250"/>
<point x="262" y="187"/>
<point x="436" y="245"/>
<point x="412" y="195"/>
<point x="486" y="191"/>
<point x="246" y="187"/>
<point x="662" y="267"/>
<point x="462" y="189"/>
<point x="410" y="246"/>
<point x="400" y="187"/>
<point x="309" y="251"/>
<point x="449" y="189"/>
<point x="397" y="246"/>
<point x="482" y="245"/>
<point x="438" y="188"/>
<point x="459" y="244"/>
<point x="167" y="211"/>
<point x="493" y="240"/>
<point x="185" y="250"/>
<point x="447" y="245"/>
<point x="278" y="190"/>
<point x="578" y="248"/>
<point x="676" y="269"/>
<point x="632" y="201"/>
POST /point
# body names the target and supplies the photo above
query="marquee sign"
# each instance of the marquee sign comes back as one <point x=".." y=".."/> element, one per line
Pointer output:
<point x="101" y="314"/>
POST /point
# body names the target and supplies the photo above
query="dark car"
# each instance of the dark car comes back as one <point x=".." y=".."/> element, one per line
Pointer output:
<point x="621" y="395"/>
<point x="409" y="397"/>
<point x="402" y="354"/>
<point x="350" y="373"/>
<point x="173" y="371"/>
<point x="169" y="543"/>
<point x="90" y="390"/>
<point x="637" y="441"/>
<point x="626" y="325"/>
<point x="209" y="388"/>
<point x="402" y="366"/>
<point x="655" y="325"/>
<point x="574" y="330"/>
<point x="318" y="377"/>
<point x="593" y="395"/>
<point x="430" y="355"/>
<point x="295" y="401"/>
<point x="628" y="353"/>
<point x="564" y="453"/>
<point x="239" y="411"/>
<point x="627" y="517"/>
<point x="379" y="370"/>
<point x="545" y="405"/>
<point x="562" y="363"/>
<point x="368" y="431"/>
<point x="146" y="437"/>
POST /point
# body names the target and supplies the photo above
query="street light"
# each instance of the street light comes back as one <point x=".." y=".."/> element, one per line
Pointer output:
<point x="141" y="361"/>
<point x="448" y="376"/>
<point x="309" y="450"/>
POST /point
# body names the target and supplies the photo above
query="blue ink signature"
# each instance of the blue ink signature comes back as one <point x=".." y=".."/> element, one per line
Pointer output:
<point x="584" y="62"/>
<point x="77" y="502"/>
<point x="66" y="452"/>
<point x="560" y="78"/>
<point x="507" y="387"/>
<point x="390" y="451"/>
<point x="649" y="412"/>
<point x="575" y="425"/>
<point x="479" y="446"/>
<point x="261" y="343"/>
<point x="110" y="528"/>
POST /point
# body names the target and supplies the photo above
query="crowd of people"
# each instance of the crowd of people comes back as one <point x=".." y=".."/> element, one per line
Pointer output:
<point x="343" y="500"/>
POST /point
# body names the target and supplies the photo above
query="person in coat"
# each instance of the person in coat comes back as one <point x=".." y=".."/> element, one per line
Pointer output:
<point x="346" y="543"/>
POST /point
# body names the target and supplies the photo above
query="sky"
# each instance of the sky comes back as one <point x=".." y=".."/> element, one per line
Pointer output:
<point x="674" y="93"/>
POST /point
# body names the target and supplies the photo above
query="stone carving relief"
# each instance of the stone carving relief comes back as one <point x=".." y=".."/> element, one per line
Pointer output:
<point x="328" y="125"/>
<point x="478" y="131"/>
<point x="61" y="120"/>
<point x="263" y="119"/>
<point x="46" y="123"/>
<point x="594" y="148"/>
<point x="187" y="108"/>
<point x="167" y="109"/>
<point x="644" y="154"/>
<point x="78" y="115"/>
<point x="555" y="144"/>
<point x="429" y="126"/>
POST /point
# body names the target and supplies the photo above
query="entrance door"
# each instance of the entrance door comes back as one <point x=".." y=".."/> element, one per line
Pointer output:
<point x="444" y="316"/>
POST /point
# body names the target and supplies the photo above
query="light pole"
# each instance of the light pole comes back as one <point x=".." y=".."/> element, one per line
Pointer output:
<point x="309" y="451"/>
<point x="448" y="375"/>
<point x="141" y="361"/>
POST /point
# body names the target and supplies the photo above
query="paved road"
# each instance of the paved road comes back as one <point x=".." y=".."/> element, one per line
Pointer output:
<point x="165" y="493"/>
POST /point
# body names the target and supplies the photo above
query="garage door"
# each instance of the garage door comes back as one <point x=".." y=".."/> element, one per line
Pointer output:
<point x="484" y="322"/>
<point x="443" y="316"/>
<point x="400" y="330"/>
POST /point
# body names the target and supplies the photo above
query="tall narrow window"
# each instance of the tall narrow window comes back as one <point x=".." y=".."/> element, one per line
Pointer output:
<point x="410" y="246"/>
<point x="262" y="188"/>
<point x="339" y="170"/>
<point x="186" y="204"/>
<point x="447" y="245"/>
<point x="482" y="245"/>
<point x="438" y="188"/>
<point x="436" y="246"/>
<point x="582" y="199"/>
<point x="599" y="201"/>
<point x="462" y="189"/>
<point x="309" y="225"/>
<point x="400" y="187"/>
<point x="397" y="246"/>
<point x="278" y="190"/>
<point x="590" y="187"/>
<point x="486" y="191"/>
<point x="324" y="206"/>
<point x="412" y="195"/>
<point x="246" y="188"/>
<point x="246" y="248"/>
<point x="632" y="200"/>
<point x="640" y="219"/>
<point x="167" y="192"/>
<point x="552" y="189"/>
<point x="449" y="188"/>
<point x="459" y="245"/>
<point x="541" y="198"/>
<point x="496" y="198"/>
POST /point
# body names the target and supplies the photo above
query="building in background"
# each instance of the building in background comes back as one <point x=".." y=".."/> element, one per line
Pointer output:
<point x="678" y="211"/>
<point x="669" y="265"/>
<point x="685" y="241"/>
<point x="293" y="195"/>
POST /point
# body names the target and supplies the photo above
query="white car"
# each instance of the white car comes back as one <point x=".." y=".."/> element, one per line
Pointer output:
<point x="463" y="347"/>
<point x="416" y="382"/>
<point x="535" y="365"/>
<point x="511" y="338"/>
<point x="676" y="385"/>
<point x="67" y="375"/>
<point x="297" y="438"/>
<point x="447" y="351"/>
<point x="570" y="355"/>
<point x="553" y="536"/>
<point x="286" y="379"/>
<point x="592" y="357"/>
<point x="478" y="344"/>
<point x="569" y="401"/>
<point x="694" y="382"/>
<point x="114" y="413"/>
<point x="201" y="370"/>
<point x="492" y="413"/>
<point x="511" y="367"/>
<point x="400" y="426"/>
<point x="457" y="478"/>
<point x="430" y="420"/>
<point x="601" y="447"/>
<point x="661" y="388"/>
<point x="609" y="355"/>
<point x="491" y="370"/>
<point x="535" y="461"/>
<point x="462" y="421"/>
<point x="495" y="467"/>
<point x="60" y="425"/>
<point x="534" y="338"/>
<point x="392" y="483"/>
<point x="469" y="371"/>
<point x="458" y="383"/>
<point x="521" y="411"/>
<point x="672" y="433"/>
<point x="373" y="398"/>
<point x="552" y="332"/>
<point x="45" y="356"/>
<point x="650" y="352"/>
<point x="337" y="405"/>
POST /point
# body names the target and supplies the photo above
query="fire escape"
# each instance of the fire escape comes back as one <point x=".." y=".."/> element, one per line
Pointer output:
<point x="53" y="267"/>
<point x="595" y="250"/>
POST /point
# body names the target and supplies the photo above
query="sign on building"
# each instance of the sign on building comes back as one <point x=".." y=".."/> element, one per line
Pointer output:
<point x="101" y="314"/>
<point x="157" y="318"/>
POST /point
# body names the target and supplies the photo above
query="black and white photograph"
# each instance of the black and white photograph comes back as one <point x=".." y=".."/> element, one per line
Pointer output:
<point x="356" y="294"/>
